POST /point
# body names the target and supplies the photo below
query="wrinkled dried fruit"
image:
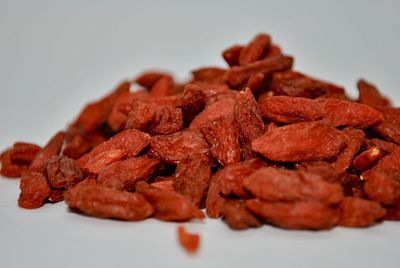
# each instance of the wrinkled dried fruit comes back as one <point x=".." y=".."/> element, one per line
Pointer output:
<point x="96" y="163"/>
<point x="23" y="152"/>
<point x="238" y="75"/>
<point x="53" y="147"/>
<point x="383" y="187"/>
<point x="280" y="185"/>
<point x="170" y="121"/>
<point x="352" y="114"/>
<point x="367" y="159"/>
<point x="222" y="134"/>
<point x="285" y="109"/>
<point x="62" y="172"/>
<point x="292" y="143"/>
<point x="34" y="190"/>
<point x="192" y="178"/>
<point x="370" y="95"/>
<point x="389" y="128"/>
<point x="231" y="177"/>
<point x="10" y="169"/>
<point x="231" y="55"/>
<point x="175" y="147"/>
<point x="191" y="102"/>
<point x="99" y="201"/>
<point x="354" y="140"/>
<point x="357" y="212"/>
<point x="168" y="205"/>
<point x="214" y="201"/>
<point x="255" y="49"/>
<point x="190" y="242"/>
<point x="248" y="119"/>
<point x="237" y="216"/>
<point x="298" y="215"/>
<point x="123" y="175"/>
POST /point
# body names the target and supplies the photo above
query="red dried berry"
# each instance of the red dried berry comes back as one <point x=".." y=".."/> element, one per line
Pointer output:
<point x="357" y="212"/>
<point x="34" y="190"/>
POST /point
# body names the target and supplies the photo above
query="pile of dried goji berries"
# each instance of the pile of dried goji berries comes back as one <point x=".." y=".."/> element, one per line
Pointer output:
<point x="256" y="143"/>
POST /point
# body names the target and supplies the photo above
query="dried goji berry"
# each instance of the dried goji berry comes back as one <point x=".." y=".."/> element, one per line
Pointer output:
<point x="123" y="175"/>
<point x="214" y="200"/>
<point x="170" y="121"/>
<point x="389" y="128"/>
<point x="345" y="113"/>
<point x="383" y="187"/>
<point x="357" y="212"/>
<point x="367" y="159"/>
<point x="163" y="87"/>
<point x="354" y="140"/>
<point x="209" y="74"/>
<point x="99" y="201"/>
<point x="34" y="190"/>
<point x="370" y="95"/>
<point x="218" y="109"/>
<point x="53" y="147"/>
<point x="149" y="78"/>
<point x="62" y="172"/>
<point x="231" y="177"/>
<point x="23" y="152"/>
<point x="292" y="143"/>
<point x="10" y="169"/>
<point x="169" y="205"/>
<point x="222" y="134"/>
<point x="231" y="55"/>
<point x="285" y="109"/>
<point x="297" y="215"/>
<point x="192" y="178"/>
<point x="191" y="102"/>
<point x="238" y="75"/>
<point x="248" y="120"/>
<point x="189" y="241"/>
<point x="280" y="185"/>
<point x="255" y="49"/>
<point x="175" y="147"/>
<point x="237" y="216"/>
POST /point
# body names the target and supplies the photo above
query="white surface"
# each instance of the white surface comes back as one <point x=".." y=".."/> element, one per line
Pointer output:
<point x="57" y="55"/>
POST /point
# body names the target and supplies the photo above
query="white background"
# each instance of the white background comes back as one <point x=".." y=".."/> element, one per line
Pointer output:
<point x="57" y="55"/>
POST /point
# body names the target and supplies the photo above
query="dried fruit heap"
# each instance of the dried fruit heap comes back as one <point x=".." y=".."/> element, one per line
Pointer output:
<point x="255" y="143"/>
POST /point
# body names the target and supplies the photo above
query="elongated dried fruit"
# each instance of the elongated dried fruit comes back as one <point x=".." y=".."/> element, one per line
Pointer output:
<point x="214" y="200"/>
<point x="280" y="185"/>
<point x="131" y="140"/>
<point x="192" y="178"/>
<point x="23" y="152"/>
<point x="34" y="190"/>
<point x="189" y="241"/>
<point x="238" y="75"/>
<point x="292" y="143"/>
<point x="255" y="49"/>
<point x="231" y="177"/>
<point x="99" y="201"/>
<point x="357" y="212"/>
<point x="354" y="140"/>
<point x="168" y="205"/>
<point x="123" y="175"/>
<point x="237" y="216"/>
<point x="346" y="113"/>
<point x="175" y="147"/>
<point x="222" y="134"/>
<point x="370" y="95"/>
<point x="298" y="215"/>
<point x="248" y="119"/>
<point x="285" y="109"/>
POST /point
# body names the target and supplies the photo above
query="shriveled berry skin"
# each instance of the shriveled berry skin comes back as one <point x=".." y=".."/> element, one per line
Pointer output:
<point x="169" y="205"/>
<point x="355" y="138"/>
<point x="307" y="215"/>
<point x="34" y="190"/>
<point x="23" y="152"/>
<point x="248" y="119"/>
<point x="192" y="178"/>
<point x="123" y="175"/>
<point x="190" y="242"/>
<point x="231" y="178"/>
<point x="130" y="140"/>
<point x="222" y="134"/>
<point x="255" y="49"/>
<point x="370" y="95"/>
<point x="345" y="113"/>
<point x="300" y="142"/>
<point x="214" y="200"/>
<point x="63" y="172"/>
<point x="357" y="212"/>
<point x="177" y="146"/>
<point x="280" y="185"/>
<point x="286" y="109"/>
<point x="99" y="201"/>
<point x="389" y="128"/>
<point x="237" y="216"/>
<point x="53" y="147"/>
